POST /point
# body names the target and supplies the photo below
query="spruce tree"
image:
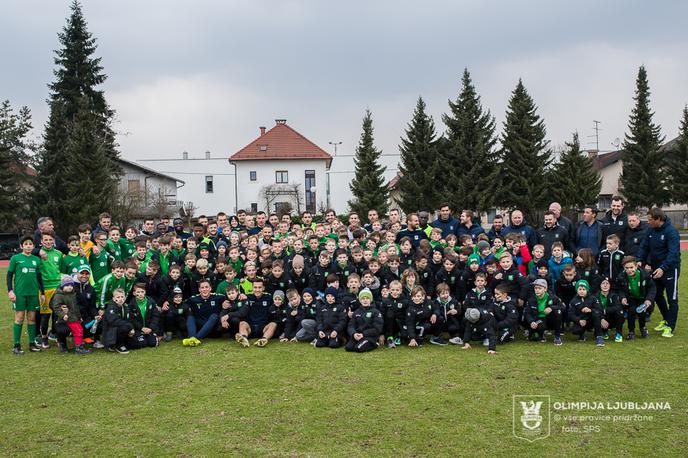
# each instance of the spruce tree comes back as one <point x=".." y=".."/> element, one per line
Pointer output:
<point x="368" y="186"/>
<point x="15" y="157"/>
<point x="678" y="164"/>
<point x="420" y="165"/>
<point x="525" y="156"/>
<point x="470" y="159"/>
<point x="644" y="164"/>
<point x="78" y="75"/>
<point x="577" y="182"/>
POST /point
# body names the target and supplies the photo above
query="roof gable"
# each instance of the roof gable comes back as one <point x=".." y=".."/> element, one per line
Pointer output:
<point x="280" y="142"/>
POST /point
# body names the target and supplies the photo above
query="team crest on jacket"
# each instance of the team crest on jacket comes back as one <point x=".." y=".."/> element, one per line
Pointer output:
<point x="531" y="417"/>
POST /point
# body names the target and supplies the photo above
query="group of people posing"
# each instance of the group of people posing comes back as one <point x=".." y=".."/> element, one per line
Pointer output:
<point x="255" y="278"/>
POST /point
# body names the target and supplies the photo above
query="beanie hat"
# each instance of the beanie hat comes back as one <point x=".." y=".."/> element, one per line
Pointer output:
<point x="474" y="258"/>
<point x="483" y="245"/>
<point x="583" y="283"/>
<point x="331" y="291"/>
<point x="279" y="293"/>
<point x="540" y="282"/>
<point x="66" y="280"/>
<point x="439" y="248"/>
<point x="222" y="243"/>
<point x="365" y="292"/>
<point x="177" y="290"/>
<point x="542" y="263"/>
<point x="308" y="291"/>
<point x="297" y="261"/>
<point x="472" y="315"/>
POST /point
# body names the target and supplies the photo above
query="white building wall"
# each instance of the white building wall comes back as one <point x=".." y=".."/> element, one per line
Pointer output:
<point x="193" y="172"/>
<point x="250" y="191"/>
<point x="156" y="185"/>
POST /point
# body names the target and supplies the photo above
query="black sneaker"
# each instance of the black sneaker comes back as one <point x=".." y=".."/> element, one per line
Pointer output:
<point x="62" y="347"/>
<point x="34" y="348"/>
<point x="631" y="336"/>
<point x="81" y="350"/>
<point x="112" y="349"/>
<point x="44" y="343"/>
<point x="581" y="338"/>
<point x="438" y="341"/>
<point x="52" y="337"/>
<point x="17" y="350"/>
<point x="644" y="333"/>
<point x="122" y="350"/>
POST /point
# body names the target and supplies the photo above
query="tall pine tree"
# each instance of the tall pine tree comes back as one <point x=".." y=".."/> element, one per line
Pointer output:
<point x="469" y="157"/>
<point x="75" y="89"/>
<point x="644" y="164"/>
<point x="368" y="186"/>
<point x="525" y="155"/>
<point x="577" y="182"/>
<point x="420" y="165"/>
<point x="678" y="164"/>
<point x="15" y="150"/>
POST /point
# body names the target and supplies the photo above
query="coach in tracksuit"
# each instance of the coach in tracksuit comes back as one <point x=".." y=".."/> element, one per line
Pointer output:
<point x="660" y="253"/>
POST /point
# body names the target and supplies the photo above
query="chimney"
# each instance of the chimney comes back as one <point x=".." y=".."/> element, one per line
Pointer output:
<point x="592" y="154"/>
<point x="280" y="121"/>
<point x="185" y="155"/>
<point x="262" y="130"/>
<point x="207" y="154"/>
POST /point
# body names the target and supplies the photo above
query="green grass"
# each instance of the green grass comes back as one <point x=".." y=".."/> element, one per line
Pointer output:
<point x="295" y="400"/>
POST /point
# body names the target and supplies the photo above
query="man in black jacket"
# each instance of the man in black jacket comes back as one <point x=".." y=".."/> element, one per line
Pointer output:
<point x="365" y="326"/>
<point x="615" y="221"/>
<point x="635" y="234"/>
<point x="551" y="232"/>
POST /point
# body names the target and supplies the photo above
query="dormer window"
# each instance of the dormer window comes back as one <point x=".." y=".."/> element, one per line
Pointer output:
<point x="263" y="147"/>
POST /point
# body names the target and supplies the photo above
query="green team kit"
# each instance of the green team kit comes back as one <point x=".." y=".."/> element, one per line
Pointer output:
<point x="25" y="282"/>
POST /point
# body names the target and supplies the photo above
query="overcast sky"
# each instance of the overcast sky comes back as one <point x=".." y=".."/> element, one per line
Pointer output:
<point x="203" y="75"/>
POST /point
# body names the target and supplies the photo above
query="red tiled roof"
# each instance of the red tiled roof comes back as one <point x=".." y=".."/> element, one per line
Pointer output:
<point x="603" y="160"/>
<point x="394" y="182"/>
<point x="280" y="142"/>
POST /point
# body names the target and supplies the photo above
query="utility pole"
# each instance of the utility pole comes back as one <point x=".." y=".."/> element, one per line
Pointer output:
<point x="335" y="144"/>
<point x="327" y="174"/>
<point x="597" y="134"/>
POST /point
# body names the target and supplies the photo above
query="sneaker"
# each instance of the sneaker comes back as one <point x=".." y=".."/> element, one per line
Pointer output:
<point x="644" y="333"/>
<point x="44" y="343"/>
<point x="397" y="341"/>
<point x="543" y="339"/>
<point x="88" y="340"/>
<point x="667" y="332"/>
<point x="261" y="342"/>
<point x="581" y="338"/>
<point x="62" y="347"/>
<point x="243" y="341"/>
<point x="313" y="342"/>
<point x="391" y="344"/>
<point x="186" y="342"/>
<point x="661" y="326"/>
<point x="98" y="344"/>
<point x="168" y="337"/>
<point x="618" y="338"/>
<point x="557" y="341"/>
<point x="17" y="350"/>
<point x="52" y="337"/>
<point x="34" y="348"/>
<point x="606" y="335"/>
<point x="112" y="349"/>
<point x="631" y="336"/>
<point x="486" y="342"/>
<point x="526" y="333"/>
<point x="81" y="350"/>
<point x="122" y="350"/>
<point x="599" y="341"/>
<point x="195" y="341"/>
<point x="438" y="341"/>
<point x="456" y="341"/>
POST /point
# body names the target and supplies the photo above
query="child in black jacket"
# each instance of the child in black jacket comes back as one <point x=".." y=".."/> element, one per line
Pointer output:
<point x="586" y="313"/>
<point x="145" y="318"/>
<point x="331" y="321"/>
<point x="544" y="311"/>
<point x="637" y="291"/>
<point x="422" y="318"/>
<point x="365" y="326"/>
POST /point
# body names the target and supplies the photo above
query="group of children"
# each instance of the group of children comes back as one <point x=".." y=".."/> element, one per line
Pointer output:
<point x="327" y="284"/>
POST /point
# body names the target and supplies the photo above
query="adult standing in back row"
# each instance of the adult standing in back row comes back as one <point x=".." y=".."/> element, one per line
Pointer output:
<point x="660" y="253"/>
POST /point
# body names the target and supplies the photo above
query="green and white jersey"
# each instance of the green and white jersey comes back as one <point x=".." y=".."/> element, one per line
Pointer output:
<point x="72" y="263"/>
<point x="100" y="265"/>
<point x="25" y="270"/>
<point x="51" y="268"/>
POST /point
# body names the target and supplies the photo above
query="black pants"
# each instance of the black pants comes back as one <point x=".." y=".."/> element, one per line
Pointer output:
<point x="424" y="329"/>
<point x="615" y="320"/>
<point x="393" y="324"/>
<point x="668" y="306"/>
<point x="454" y="325"/>
<point x="633" y="315"/>
<point x="361" y="346"/>
<point x="554" y="322"/>
<point x="594" y="321"/>
<point x="174" y="323"/>
<point x="62" y="331"/>
<point x="328" y="341"/>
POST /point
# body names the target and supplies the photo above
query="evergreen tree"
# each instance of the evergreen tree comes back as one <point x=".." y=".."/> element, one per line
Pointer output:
<point x="420" y="165"/>
<point x="470" y="160"/>
<point x="14" y="160"/>
<point x="368" y="186"/>
<point x="525" y="156"/>
<point x="644" y="164"/>
<point x="678" y="164"/>
<point x="75" y="89"/>
<point x="577" y="182"/>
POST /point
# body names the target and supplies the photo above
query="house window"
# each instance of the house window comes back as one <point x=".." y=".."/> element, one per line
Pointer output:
<point x="281" y="176"/>
<point x="252" y="175"/>
<point x="209" y="184"/>
<point x="282" y="207"/>
<point x="133" y="185"/>
<point x="254" y="207"/>
<point x="309" y="185"/>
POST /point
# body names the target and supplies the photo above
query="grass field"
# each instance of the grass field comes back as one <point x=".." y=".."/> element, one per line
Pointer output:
<point x="295" y="400"/>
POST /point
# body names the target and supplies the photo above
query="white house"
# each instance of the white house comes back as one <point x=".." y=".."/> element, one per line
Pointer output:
<point x="154" y="187"/>
<point x="209" y="181"/>
<point x="281" y="169"/>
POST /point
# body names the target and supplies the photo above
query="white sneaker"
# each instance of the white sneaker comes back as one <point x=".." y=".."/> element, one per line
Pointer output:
<point x="98" y="344"/>
<point x="486" y="342"/>
<point x="456" y="341"/>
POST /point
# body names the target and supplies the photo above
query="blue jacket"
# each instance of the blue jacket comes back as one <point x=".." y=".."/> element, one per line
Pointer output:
<point x="556" y="268"/>
<point x="473" y="231"/>
<point x="524" y="229"/>
<point x="661" y="248"/>
<point x="448" y="227"/>
<point x="589" y="237"/>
